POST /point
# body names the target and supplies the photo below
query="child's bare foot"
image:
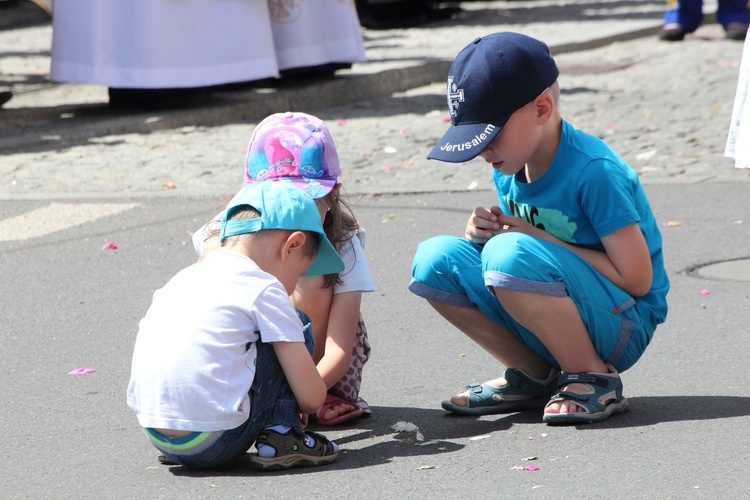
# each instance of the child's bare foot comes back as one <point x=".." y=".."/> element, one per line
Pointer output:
<point x="567" y="406"/>
<point x="337" y="411"/>
<point x="586" y="398"/>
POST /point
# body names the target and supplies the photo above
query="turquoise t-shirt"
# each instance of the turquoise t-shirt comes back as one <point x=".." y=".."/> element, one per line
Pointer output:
<point x="588" y="192"/>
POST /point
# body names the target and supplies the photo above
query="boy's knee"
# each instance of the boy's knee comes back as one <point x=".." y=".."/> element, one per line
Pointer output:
<point x="435" y="256"/>
<point x="519" y="261"/>
<point x="511" y="253"/>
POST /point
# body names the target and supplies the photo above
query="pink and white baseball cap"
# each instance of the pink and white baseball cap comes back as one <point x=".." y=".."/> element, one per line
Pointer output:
<point x="295" y="148"/>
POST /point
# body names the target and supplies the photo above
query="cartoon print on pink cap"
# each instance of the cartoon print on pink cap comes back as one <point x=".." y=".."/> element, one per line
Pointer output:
<point x="282" y="160"/>
<point x="296" y="148"/>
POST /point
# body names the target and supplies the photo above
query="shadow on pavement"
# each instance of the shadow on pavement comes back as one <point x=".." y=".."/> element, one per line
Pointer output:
<point x="651" y="410"/>
<point x="438" y="425"/>
<point x="595" y="10"/>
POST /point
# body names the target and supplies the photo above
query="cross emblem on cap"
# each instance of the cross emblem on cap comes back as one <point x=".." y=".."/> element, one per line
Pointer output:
<point x="455" y="96"/>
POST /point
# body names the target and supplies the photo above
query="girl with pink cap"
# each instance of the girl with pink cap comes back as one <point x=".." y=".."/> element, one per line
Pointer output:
<point x="298" y="148"/>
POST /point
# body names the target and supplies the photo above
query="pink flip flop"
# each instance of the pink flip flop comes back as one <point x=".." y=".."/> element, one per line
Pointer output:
<point x="331" y="401"/>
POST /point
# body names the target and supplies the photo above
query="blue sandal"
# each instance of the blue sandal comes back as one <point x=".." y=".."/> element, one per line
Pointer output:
<point x="605" y="401"/>
<point x="520" y="392"/>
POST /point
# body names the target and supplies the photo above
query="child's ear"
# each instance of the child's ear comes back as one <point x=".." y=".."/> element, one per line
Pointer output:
<point x="544" y="105"/>
<point x="293" y="242"/>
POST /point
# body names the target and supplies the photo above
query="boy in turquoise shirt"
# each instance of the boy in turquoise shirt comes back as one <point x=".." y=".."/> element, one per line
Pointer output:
<point x="563" y="280"/>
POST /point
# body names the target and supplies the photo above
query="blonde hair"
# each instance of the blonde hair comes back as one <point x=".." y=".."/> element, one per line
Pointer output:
<point x="309" y="248"/>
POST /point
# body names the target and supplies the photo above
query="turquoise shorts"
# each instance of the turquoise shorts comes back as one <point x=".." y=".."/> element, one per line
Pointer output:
<point x="456" y="271"/>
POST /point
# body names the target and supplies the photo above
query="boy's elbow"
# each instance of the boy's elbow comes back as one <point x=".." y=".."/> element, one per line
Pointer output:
<point x="640" y="287"/>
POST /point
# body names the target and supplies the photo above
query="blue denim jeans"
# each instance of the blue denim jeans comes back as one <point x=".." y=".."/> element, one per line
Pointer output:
<point x="689" y="13"/>
<point x="272" y="402"/>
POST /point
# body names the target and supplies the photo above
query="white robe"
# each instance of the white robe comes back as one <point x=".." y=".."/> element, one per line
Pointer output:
<point x="196" y="43"/>
<point x="738" y="140"/>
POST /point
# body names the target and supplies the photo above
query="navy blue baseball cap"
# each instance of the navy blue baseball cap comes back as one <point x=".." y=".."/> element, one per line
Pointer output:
<point x="489" y="80"/>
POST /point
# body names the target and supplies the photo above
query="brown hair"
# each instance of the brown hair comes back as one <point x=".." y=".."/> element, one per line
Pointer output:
<point x="338" y="225"/>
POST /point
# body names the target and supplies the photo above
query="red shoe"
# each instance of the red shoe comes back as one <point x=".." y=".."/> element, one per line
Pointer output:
<point x="329" y="403"/>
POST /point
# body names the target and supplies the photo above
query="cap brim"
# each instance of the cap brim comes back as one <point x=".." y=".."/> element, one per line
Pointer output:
<point x="464" y="142"/>
<point x="327" y="261"/>
<point x="316" y="188"/>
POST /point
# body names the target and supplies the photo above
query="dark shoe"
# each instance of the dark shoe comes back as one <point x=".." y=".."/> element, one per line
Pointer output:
<point x="292" y="450"/>
<point x="5" y="96"/>
<point x="162" y="458"/>
<point x="390" y="14"/>
<point x="154" y="99"/>
<point x="672" y="33"/>
<point x="321" y="71"/>
<point x="736" y="31"/>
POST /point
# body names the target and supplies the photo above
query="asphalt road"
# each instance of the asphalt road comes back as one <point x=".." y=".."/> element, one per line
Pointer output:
<point x="67" y="301"/>
<point x="70" y="303"/>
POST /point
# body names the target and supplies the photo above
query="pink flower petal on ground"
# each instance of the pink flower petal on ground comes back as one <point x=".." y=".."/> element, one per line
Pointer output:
<point x="109" y="246"/>
<point x="341" y="122"/>
<point x="705" y="292"/>
<point x="169" y="185"/>
<point x="81" y="371"/>
<point x="532" y="468"/>
<point x="446" y="119"/>
<point x="728" y="64"/>
<point x="387" y="168"/>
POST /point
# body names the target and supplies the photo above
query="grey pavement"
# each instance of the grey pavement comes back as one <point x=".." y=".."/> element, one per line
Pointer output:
<point x="75" y="176"/>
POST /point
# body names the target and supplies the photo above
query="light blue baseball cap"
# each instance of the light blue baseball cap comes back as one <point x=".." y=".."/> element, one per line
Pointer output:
<point x="282" y="206"/>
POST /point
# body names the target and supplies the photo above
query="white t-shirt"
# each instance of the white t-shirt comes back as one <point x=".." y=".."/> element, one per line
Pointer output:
<point x="192" y="368"/>
<point x="356" y="275"/>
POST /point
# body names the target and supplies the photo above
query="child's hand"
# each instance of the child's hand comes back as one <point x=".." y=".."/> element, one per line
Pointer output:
<point x="483" y="224"/>
<point x="305" y="419"/>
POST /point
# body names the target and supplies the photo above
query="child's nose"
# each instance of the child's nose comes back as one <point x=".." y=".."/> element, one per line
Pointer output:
<point x="486" y="154"/>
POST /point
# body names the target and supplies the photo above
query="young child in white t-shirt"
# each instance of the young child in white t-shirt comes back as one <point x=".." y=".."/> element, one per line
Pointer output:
<point x="222" y="360"/>
<point x="298" y="149"/>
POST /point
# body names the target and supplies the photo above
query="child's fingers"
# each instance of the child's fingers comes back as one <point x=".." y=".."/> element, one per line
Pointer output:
<point x="483" y="223"/>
